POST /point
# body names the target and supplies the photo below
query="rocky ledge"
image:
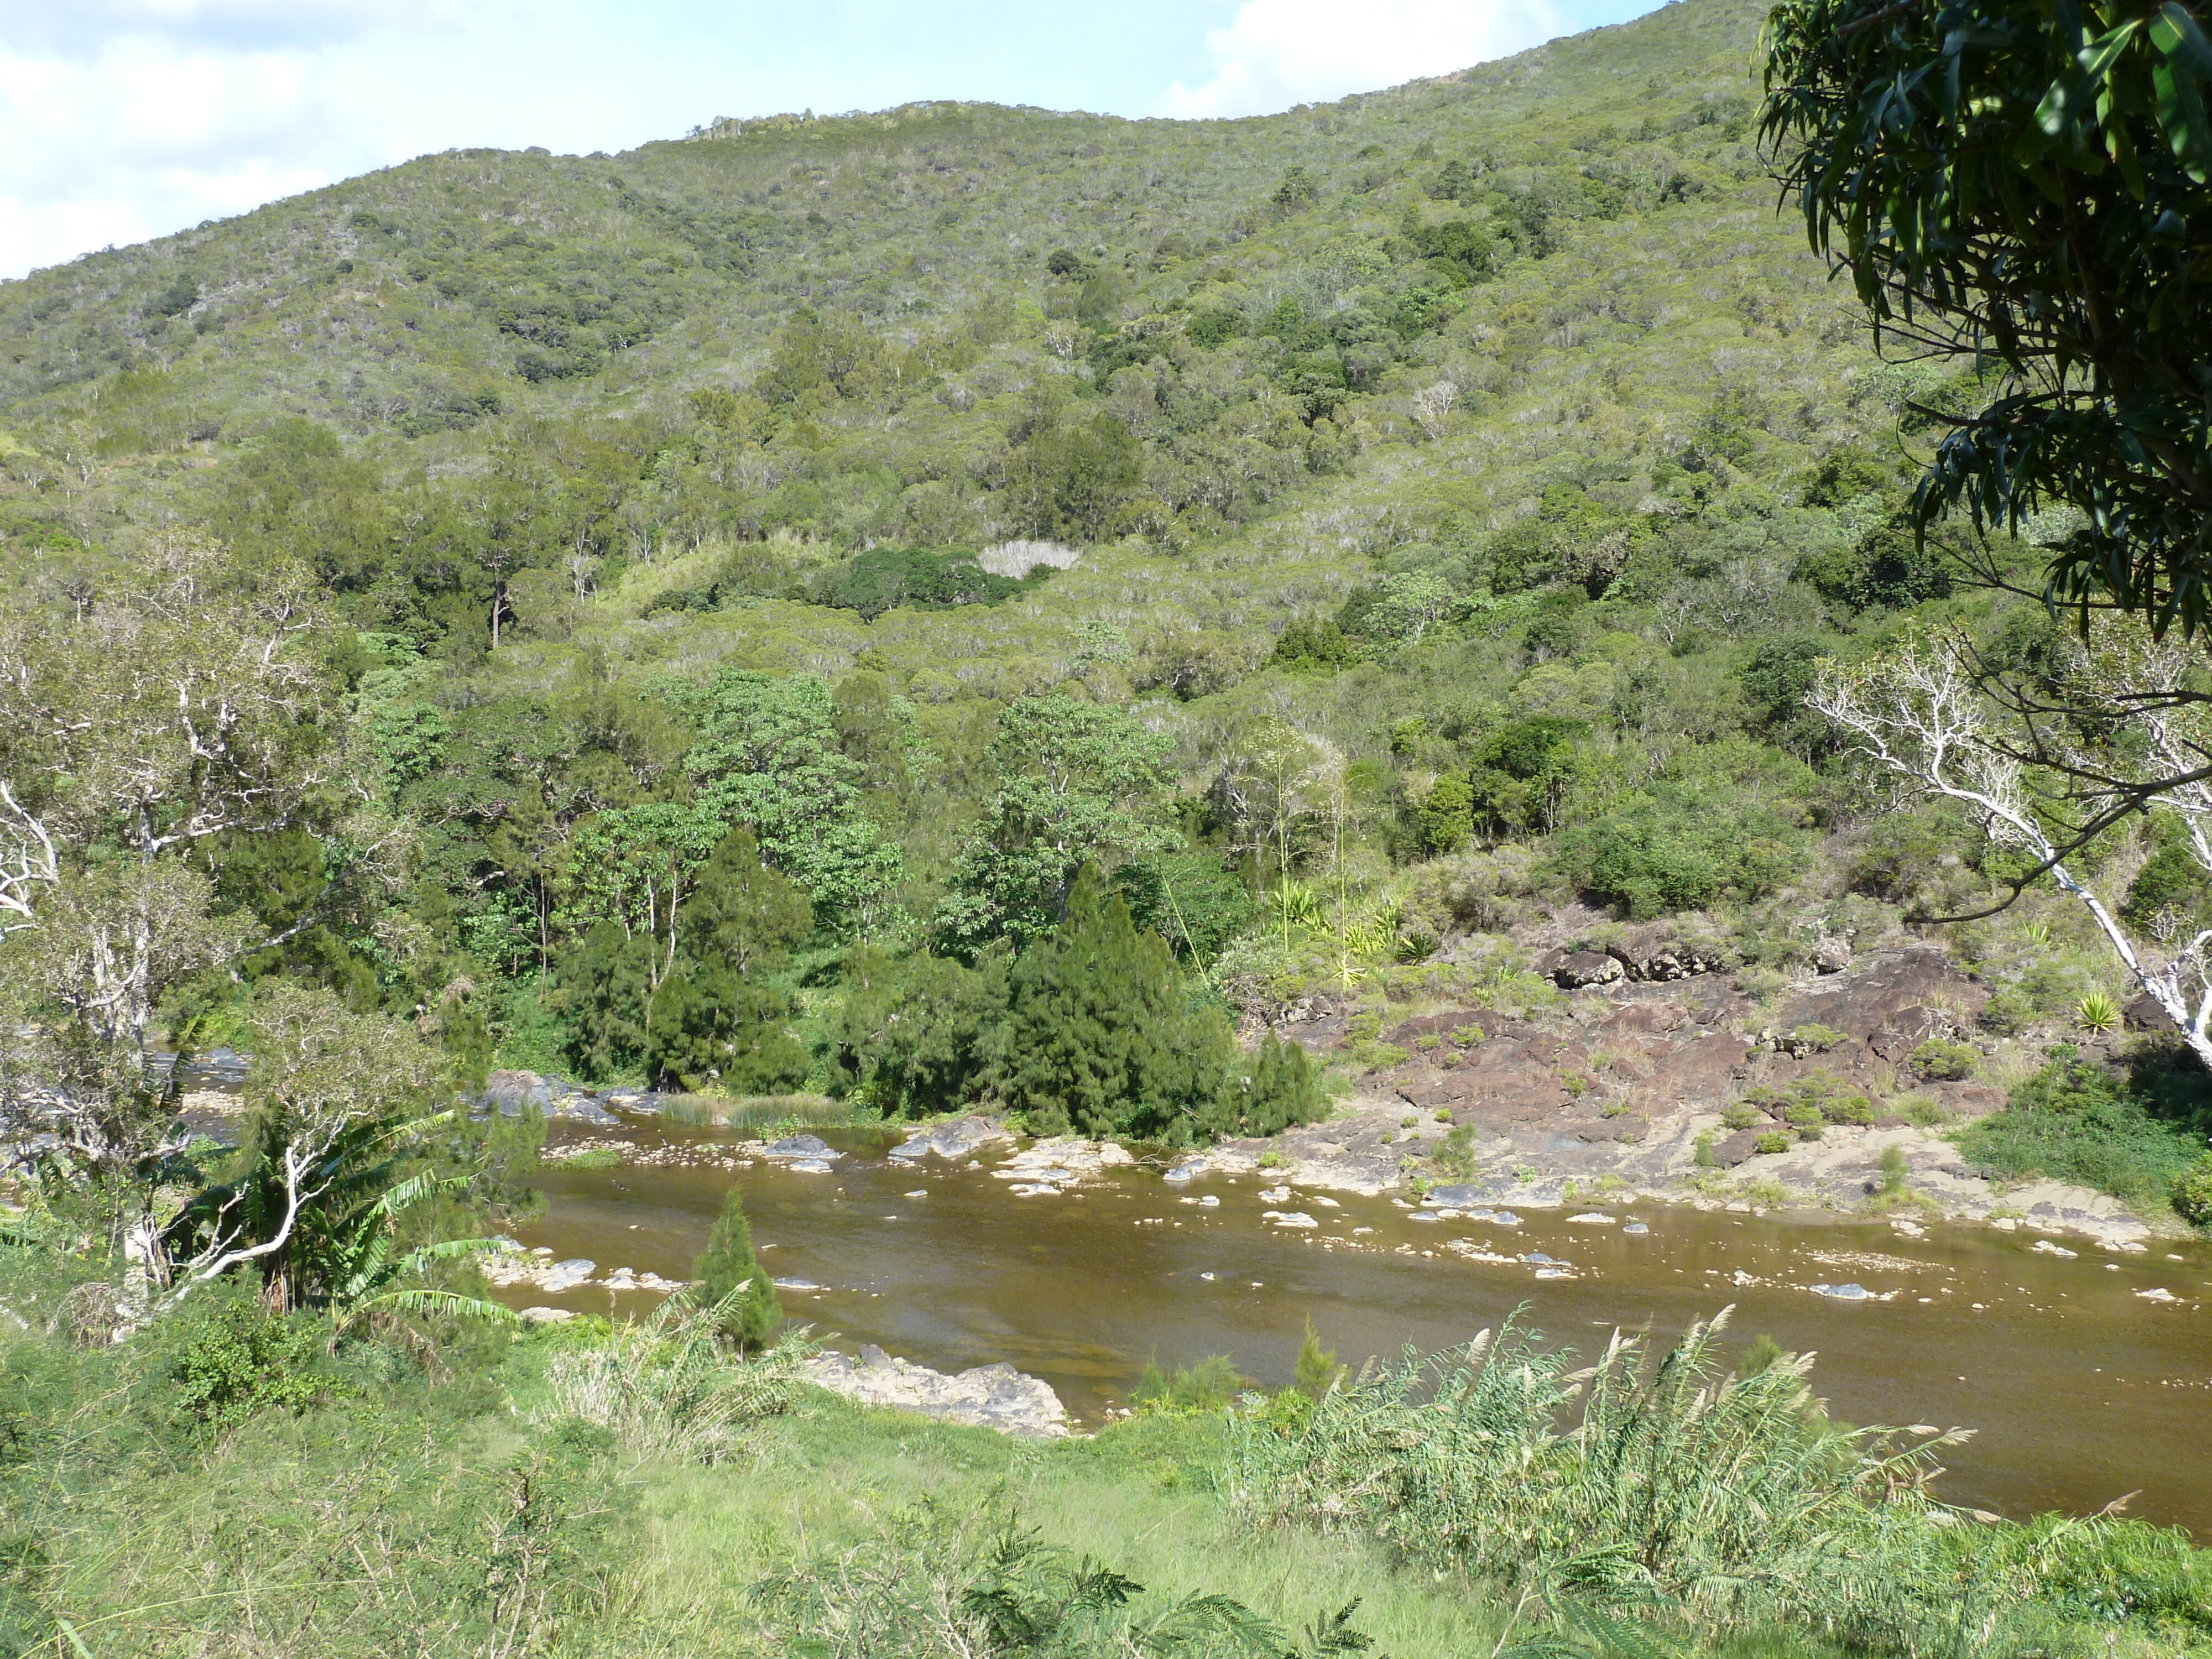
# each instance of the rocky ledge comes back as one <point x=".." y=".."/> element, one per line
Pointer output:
<point x="1621" y="1092"/>
<point x="988" y="1396"/>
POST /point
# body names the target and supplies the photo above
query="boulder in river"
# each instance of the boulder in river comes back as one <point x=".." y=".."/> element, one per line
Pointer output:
<point x="810" y="1149"/>
<point x="510" y="1093"/>
<point x="986" y="1396"/>
<point x="959" y="1138"/>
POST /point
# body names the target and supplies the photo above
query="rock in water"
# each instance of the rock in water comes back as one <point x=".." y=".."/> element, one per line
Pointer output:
<point x="811" y="1148"/>
<point x="1844" y="1292"/>
<point x="988" y="1396"/>
<point x="956" y="1140"/>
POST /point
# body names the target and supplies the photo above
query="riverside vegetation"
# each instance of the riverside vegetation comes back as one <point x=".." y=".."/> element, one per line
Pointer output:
<point x="961" y="607"/>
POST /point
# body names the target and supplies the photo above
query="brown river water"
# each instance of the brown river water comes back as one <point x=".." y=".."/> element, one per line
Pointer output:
<point x="2079" y="1390"/>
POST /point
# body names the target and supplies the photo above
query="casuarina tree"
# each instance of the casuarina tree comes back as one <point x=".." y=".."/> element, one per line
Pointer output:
<point x="734" y="1287"/>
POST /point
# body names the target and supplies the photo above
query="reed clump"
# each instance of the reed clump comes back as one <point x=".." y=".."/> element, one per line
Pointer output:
<point x="1673" y="1483"/>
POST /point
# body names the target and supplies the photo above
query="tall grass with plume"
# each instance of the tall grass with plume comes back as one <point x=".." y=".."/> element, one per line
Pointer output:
<point x="1672" y="1484"/>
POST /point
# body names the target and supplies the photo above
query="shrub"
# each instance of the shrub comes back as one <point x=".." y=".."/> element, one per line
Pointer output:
<point x="236" y="1360"/>
<point x="1774" y="1141"/>
<point x="1454" y="1157"/>
<point x="1806" y="1119"/>
<point x="920" y="579"/>
<point x="2192" y="1191"/>
<point x="1848" y="1109"/>
<point x="1819" y="1038"/>
<point x="1741" y="1116"/>
<point x="1944" y="1062"/>
<point x="1923" y="1112"/>
<point x="2098" y="1012"/>
<point x="1654" y="854"/>
<point x="1892" y="1168"/>
<point x="1207" y="1386"/>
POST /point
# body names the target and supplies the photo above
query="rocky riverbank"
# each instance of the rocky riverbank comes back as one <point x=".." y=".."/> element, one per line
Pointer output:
<point x="1651" y="1075"/>
<point x="1657" y="1080"/>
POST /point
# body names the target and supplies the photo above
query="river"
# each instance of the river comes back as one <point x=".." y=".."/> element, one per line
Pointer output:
<point x="2080" y="1388"/>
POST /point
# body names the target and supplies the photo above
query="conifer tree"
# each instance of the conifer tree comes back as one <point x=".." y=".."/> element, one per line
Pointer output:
<point x="1317" y="1371"/>
<point x="1102" y="1038"/>
<point x="732" y="1283"/>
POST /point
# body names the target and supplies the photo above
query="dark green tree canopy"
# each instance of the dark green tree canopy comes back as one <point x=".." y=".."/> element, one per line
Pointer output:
<point x="2022" y="183"/>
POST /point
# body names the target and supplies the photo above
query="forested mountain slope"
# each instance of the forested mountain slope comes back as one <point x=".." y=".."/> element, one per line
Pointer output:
<point x="1370" y="520"/>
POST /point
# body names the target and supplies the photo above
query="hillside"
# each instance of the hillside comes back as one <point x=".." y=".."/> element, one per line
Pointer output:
<point x="1270" y="652"/>
<point x="1412" y="520"/>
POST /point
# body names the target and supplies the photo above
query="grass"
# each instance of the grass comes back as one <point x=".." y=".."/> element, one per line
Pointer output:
<point x="586" y="1489"/>
<point x="1139" y="1497"/>
<point x="594" y="1157"/>
<point x="2127" y="1132"/>
<point x="770" y="1116"/>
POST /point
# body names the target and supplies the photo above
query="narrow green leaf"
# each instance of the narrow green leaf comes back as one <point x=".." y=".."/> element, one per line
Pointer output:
<point x="2181" y="117"/>
<point x="2178" y="36"/>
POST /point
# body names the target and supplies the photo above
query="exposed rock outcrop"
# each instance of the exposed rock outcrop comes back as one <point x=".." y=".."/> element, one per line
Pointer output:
<point x="960" y="1138"/>
<point x="986" y="1396"/>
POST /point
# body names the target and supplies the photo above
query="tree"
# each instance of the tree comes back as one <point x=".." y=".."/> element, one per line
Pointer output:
<point x="635" y="866"/>
<point x="1317" y="1370"/>
<point x="922" y="1035"/>
<point x="742" y="916"/>
<point x="1101" y="1039"/>
<point x="187" y="698"/>
<point x="765" y="754"/>
<point x="2036" y="783"/>
<point x="1432" y="407"/>
<point x="2023" y="188"/>
<point x="604" y="985"/>
<point x="1077" y="783"/>
<point x="734" y="1289"/>
<point x="1067" y="480"/>
<point x="708" y="1028"/>
<point x="338" y="1104"/>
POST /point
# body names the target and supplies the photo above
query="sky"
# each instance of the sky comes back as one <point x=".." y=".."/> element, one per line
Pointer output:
<point x="125" y="119"/>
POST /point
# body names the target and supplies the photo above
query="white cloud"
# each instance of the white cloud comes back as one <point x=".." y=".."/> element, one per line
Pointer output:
<point x="1276" y="53"/>
<point x="146" y="135"/>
